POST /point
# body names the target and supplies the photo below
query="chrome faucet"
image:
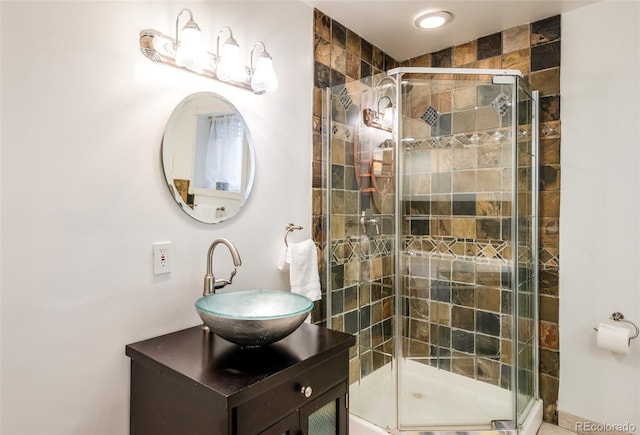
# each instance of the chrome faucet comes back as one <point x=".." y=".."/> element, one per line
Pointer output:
<point x="211" y="284"/>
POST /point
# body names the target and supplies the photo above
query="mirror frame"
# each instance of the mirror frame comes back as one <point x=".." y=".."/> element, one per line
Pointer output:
<point x="187" y="103"/>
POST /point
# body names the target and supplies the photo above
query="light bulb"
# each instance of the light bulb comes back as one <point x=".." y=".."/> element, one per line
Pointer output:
<point x="433" y="20"/>
<point x="191" y="52"/>
<point x="230" y="67"/>
<point x="264" y="78"/>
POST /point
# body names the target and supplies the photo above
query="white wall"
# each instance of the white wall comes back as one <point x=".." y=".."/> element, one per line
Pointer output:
<point x="83" y="195"/>
<point x="600" y="215"/>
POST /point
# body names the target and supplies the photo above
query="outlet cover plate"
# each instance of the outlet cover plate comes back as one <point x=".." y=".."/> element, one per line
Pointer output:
<point x="161" y="258"/>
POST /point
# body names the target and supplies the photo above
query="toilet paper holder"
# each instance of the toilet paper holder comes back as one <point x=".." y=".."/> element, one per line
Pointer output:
<point x="619" y="317"/>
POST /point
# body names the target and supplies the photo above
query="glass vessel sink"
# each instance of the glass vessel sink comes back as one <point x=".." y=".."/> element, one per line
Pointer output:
<point x="253" y="318"/>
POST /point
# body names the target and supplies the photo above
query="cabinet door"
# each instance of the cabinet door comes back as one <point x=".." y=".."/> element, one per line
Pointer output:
<point x="326" y="415"/>
<point x="282" y="399"/>
<point x="287" y="426"/>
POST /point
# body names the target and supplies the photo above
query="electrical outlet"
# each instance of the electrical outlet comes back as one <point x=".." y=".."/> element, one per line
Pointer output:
<point x="161" y="258"/>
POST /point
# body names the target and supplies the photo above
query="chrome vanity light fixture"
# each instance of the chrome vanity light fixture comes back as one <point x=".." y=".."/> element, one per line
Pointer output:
<point x="187" y="51"/>
<point x="263" y="77"/>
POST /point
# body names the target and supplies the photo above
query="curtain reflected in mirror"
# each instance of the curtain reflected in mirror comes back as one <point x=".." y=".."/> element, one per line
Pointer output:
<point x="219" y="151"/>
<point x="208" y="157"/>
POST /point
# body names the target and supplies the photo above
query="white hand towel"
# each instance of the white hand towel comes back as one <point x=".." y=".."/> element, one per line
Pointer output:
<point x="303" y="269"/>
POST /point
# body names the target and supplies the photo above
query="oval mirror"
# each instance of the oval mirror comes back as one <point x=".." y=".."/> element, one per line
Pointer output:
<point x="208" y="157"/>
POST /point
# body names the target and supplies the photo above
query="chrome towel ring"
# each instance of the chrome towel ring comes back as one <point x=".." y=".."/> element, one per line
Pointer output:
<point x="290" y="227"/>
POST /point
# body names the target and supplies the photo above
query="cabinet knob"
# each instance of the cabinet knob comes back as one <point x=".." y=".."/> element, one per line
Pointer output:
<point x="307" y="391"/>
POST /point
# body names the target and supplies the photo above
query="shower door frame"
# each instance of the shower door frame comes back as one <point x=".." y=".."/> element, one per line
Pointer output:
<point x="521" y="414"/>
<point x="396" y="74"/>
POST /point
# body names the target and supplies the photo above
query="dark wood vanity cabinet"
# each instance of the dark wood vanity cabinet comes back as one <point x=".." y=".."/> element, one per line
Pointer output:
<point x="191" y="382"/>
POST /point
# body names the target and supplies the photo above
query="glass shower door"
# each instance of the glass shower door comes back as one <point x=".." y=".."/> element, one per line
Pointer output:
<point x="361" y="247"/>
<point x="456" y="246"/>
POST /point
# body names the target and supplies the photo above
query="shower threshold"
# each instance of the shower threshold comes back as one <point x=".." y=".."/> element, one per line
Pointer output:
<point x="359" y="426"/>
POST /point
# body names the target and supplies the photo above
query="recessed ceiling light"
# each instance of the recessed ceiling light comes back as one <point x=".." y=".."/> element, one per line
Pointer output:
<point x="431" y="20"/>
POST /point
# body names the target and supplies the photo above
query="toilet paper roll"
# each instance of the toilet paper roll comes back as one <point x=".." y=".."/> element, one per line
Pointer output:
<point x="614" y="338"/>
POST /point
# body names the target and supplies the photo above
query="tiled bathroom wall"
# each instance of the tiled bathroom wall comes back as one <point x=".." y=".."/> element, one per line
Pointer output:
<point x="342" y="57"/>
<point x="360" y="256"/>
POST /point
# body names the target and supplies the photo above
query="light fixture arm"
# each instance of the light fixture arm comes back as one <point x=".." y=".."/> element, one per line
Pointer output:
<point x="393" y="82"/>
<point x="190" y="24"/>
<point x="263" y="77"/>
<point x="233" y="41"/>
<point x="378" y="85"/>
<point x="265" y="53"/>
<point x="229" y="65"/>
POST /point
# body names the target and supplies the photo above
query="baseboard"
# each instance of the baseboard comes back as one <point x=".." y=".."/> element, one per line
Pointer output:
<point x="584" y="426"/>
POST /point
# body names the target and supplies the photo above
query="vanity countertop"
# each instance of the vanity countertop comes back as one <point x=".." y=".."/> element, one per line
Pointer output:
<point x="237" y="374"/>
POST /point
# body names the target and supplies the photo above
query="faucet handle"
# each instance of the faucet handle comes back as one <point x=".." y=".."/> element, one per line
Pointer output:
<point x="219" y="283"/>
<point x="233" y="273"/>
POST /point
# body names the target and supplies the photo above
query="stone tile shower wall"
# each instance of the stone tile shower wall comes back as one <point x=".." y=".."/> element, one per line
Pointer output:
<point x="341" y="57"/>
<point x="360" y="258"/>
<point x="457" y="231"/>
